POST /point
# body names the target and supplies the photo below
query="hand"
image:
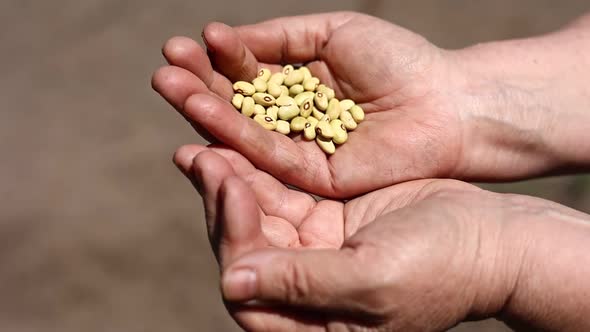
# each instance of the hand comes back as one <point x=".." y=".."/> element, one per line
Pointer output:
<point x="420" y="256"/>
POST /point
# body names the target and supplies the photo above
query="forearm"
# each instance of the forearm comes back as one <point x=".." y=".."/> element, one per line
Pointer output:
<point x="552" y="289"/>
<point x="527" y="104"/>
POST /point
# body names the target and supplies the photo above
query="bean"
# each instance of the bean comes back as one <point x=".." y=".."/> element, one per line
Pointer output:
<point x="285" y="101"/>
<point x="317" y="114"/>
<point x="264" y="99"/>
<point x="287" y="108"/>
<point x="324" y="129"/>
<point x="259" y="84"/>
<point x="357" y="113"/>
<point x="284" y="91"/>
<point x="283" y="127"/>
<point x="340" y="134"/>
<point x="273" y="112"/>
<point x="298" y="124"/>
<point x="321" y="101"/>
<point x="346" y="104"/>
<point x="277" y="78"/>
<point x="248" y="106"/>
<point x="300" y="98"/>
<point x="259" y="109"/>
<point x="333" y="109"/>
<point x="264" y="74"/>
<point x="296" y="89"/>
<point x="237" y="101"/>
<point x="306" y="108"/>
<point x="326" y="145"/>
<point x="311" y="83"/>
<point x="348" y="121"/>
<point x="309" y="130"/>
<point x="294" y="77"/>
<point x="325" y="90"/>
<point x="244" y="88"/>
<point x="306" y="72"/>
<point x="266" y="121"/>
<point x="274" y="89"/>
<point x="288" y="69"/>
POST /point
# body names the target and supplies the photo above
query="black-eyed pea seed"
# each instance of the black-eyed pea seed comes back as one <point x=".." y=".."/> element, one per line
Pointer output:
<point x="285" y="101"/>
<point x="264" y="99"/>
<point x="313" y="121"/>
<point x="248" y="106"/>
<point x="287" y="69"/>
<point x="294" y="77"/>
<point x="357" y="113"/>
<point x="300" y="98"/>
<point x="317" y="114"/>
<point x="306" y="72"/>
<point x="284" y="91"/>
<point x="273" y="112"/>
<point x="326" y="145"/>
<point x="298" y="124"/>
<point x="346" y="104"/>
<point x="311" y="83"/>
<point x="237" y="101"/>
<point x="288" y="112"/>
<point x="259" y="84"/>
<point x="283" y="127"/>
<point x="277" y="78"/>
<point x="324" y="129"/>
<point x="348" y="121"/>
<point x="325" y="90"/>
<point x="266" y="121"/>
<point x="333" y="110"/>
<point x="321" y="101"/>
<point x="340" y="134"/>
<point x="244" y="88"/>
<point x="296" y="89"/>
<point x="259" y="109"/>
<point x="274" y="89"/>
<point x="309" y="131"/>
<point x="306" y="108"/>
<point x="264" y="74"/>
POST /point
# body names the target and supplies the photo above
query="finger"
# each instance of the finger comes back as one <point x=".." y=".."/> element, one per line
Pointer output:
<point x="324" y="280"/>
<point x="273" y="319"/>
<point x="296" y="39"/>
<point x="175" y="85"/>
<point x="303" y="165"/>
<point x="228" y="53"/>
<point x="240" y="222"/>
<point x="186" y="53"/>
<point x="273" y="197"/>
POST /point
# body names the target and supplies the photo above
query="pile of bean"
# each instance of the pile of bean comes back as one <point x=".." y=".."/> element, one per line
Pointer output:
<point x="294" y="101"/>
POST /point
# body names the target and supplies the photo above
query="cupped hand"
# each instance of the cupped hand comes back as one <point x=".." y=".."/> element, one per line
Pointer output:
<point x="420" y="256"/>
<point x="412" y="129"/>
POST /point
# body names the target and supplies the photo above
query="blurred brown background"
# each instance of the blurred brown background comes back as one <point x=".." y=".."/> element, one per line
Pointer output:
<point x="98" y="231"/>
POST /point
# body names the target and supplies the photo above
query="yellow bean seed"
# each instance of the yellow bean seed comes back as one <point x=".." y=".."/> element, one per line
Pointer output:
<point x="306" y="108"/>
<point x="321" y="101"/>
<point x="325" y="90"/>
<point x="340" y="134"/>
<point x="357" y="113"/>
<point x="264" y="74"/>
<point x="311" y="84"/>
<point x="306" y="72"/>
<point x="237" y="101"/>
<point x="266" y="121"/>
<point x="277" y="78"/>
<point x="259" y="109"/>
<point x="296" y="89"/>
<point x="294" y="77"/>
<point x="346" y="104"/>
<point x="284" y="91"/>
<point x="248" y="106"/>
<point x="324" y="129"/>
<point x="326" y="145"/>
<point x="300" y="98"/>
<point x="298" y="124"/>
<point x="274" y="89"/>
<point x="288" y="69"/>
<point x="283" y="127"/>
<point x="333" y="109"/>
<point x="273" y="112"/>
<point x="264" y="99"/>
<point x="259" y="84"/>
<point x="348" y="121"/>
<point x="317" y="114"/>
<point x="309" y="130"/>
<point x="244" y="88"/>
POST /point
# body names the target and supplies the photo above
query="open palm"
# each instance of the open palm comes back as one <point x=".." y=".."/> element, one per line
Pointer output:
<point x="411" y="131"/>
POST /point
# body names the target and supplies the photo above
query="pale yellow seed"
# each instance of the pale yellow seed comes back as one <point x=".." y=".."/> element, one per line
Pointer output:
<point x="300" y="98"/>
<point x="306" y="108"/>
<point x="357" y="113"/>
<point x="237" y="101"/>
<point x="264" y="99"/>
<point x="296" y="89"/>
<point x="273" y="112"/>
<point x="259" y="109"/>
<point x="277" y="78"/>
<point x="311" y="84"/>
<point x="244" y="88"/>
<point x="259" y="84"/>
<point x="285" y="101"/>
<point x="317" y="114"/>
<point x="313" y="121"/>
<point x="288" y="69"/>
<point x="283" y="127"/>
<point x="264" y="74"/>
<point x="346" y="104"/>
<point x="326" y="145"/>
<point x="294" y="77"/>
<point x="248" y="106"/>
<point x="274" y="89"/>
<point x="266" y="121"/>
<point x="298" y="124"/>
<point x="348" y="121"/>
<point x="288" y="112"/>
<point x="309" y="130"/>
<point x="306" y="72"/>
<point x="284" y="91"/>
<point x="324" y="129"/>
<point x="340" y="134"/>
<point x="333" y="108"/>
<point x="325" y="90"/>
<point x="321" y="101"/>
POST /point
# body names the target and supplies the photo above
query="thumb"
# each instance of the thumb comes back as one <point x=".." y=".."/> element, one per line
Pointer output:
<point x="332" y="280"/>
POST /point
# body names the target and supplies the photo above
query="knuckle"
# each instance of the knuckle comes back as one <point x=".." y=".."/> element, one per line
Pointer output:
<point x="294" y="281"/>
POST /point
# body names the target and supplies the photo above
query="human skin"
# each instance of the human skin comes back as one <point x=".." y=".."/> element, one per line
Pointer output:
<point x="494" y="111"/>
<point x="424" y="255"/>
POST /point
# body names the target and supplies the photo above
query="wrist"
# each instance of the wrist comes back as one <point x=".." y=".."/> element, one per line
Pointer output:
<point x="525" y="108"/>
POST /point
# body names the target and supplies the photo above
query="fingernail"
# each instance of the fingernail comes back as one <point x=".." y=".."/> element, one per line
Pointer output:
<point x="209" y="49"/>
<point x="239" y="285"/>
